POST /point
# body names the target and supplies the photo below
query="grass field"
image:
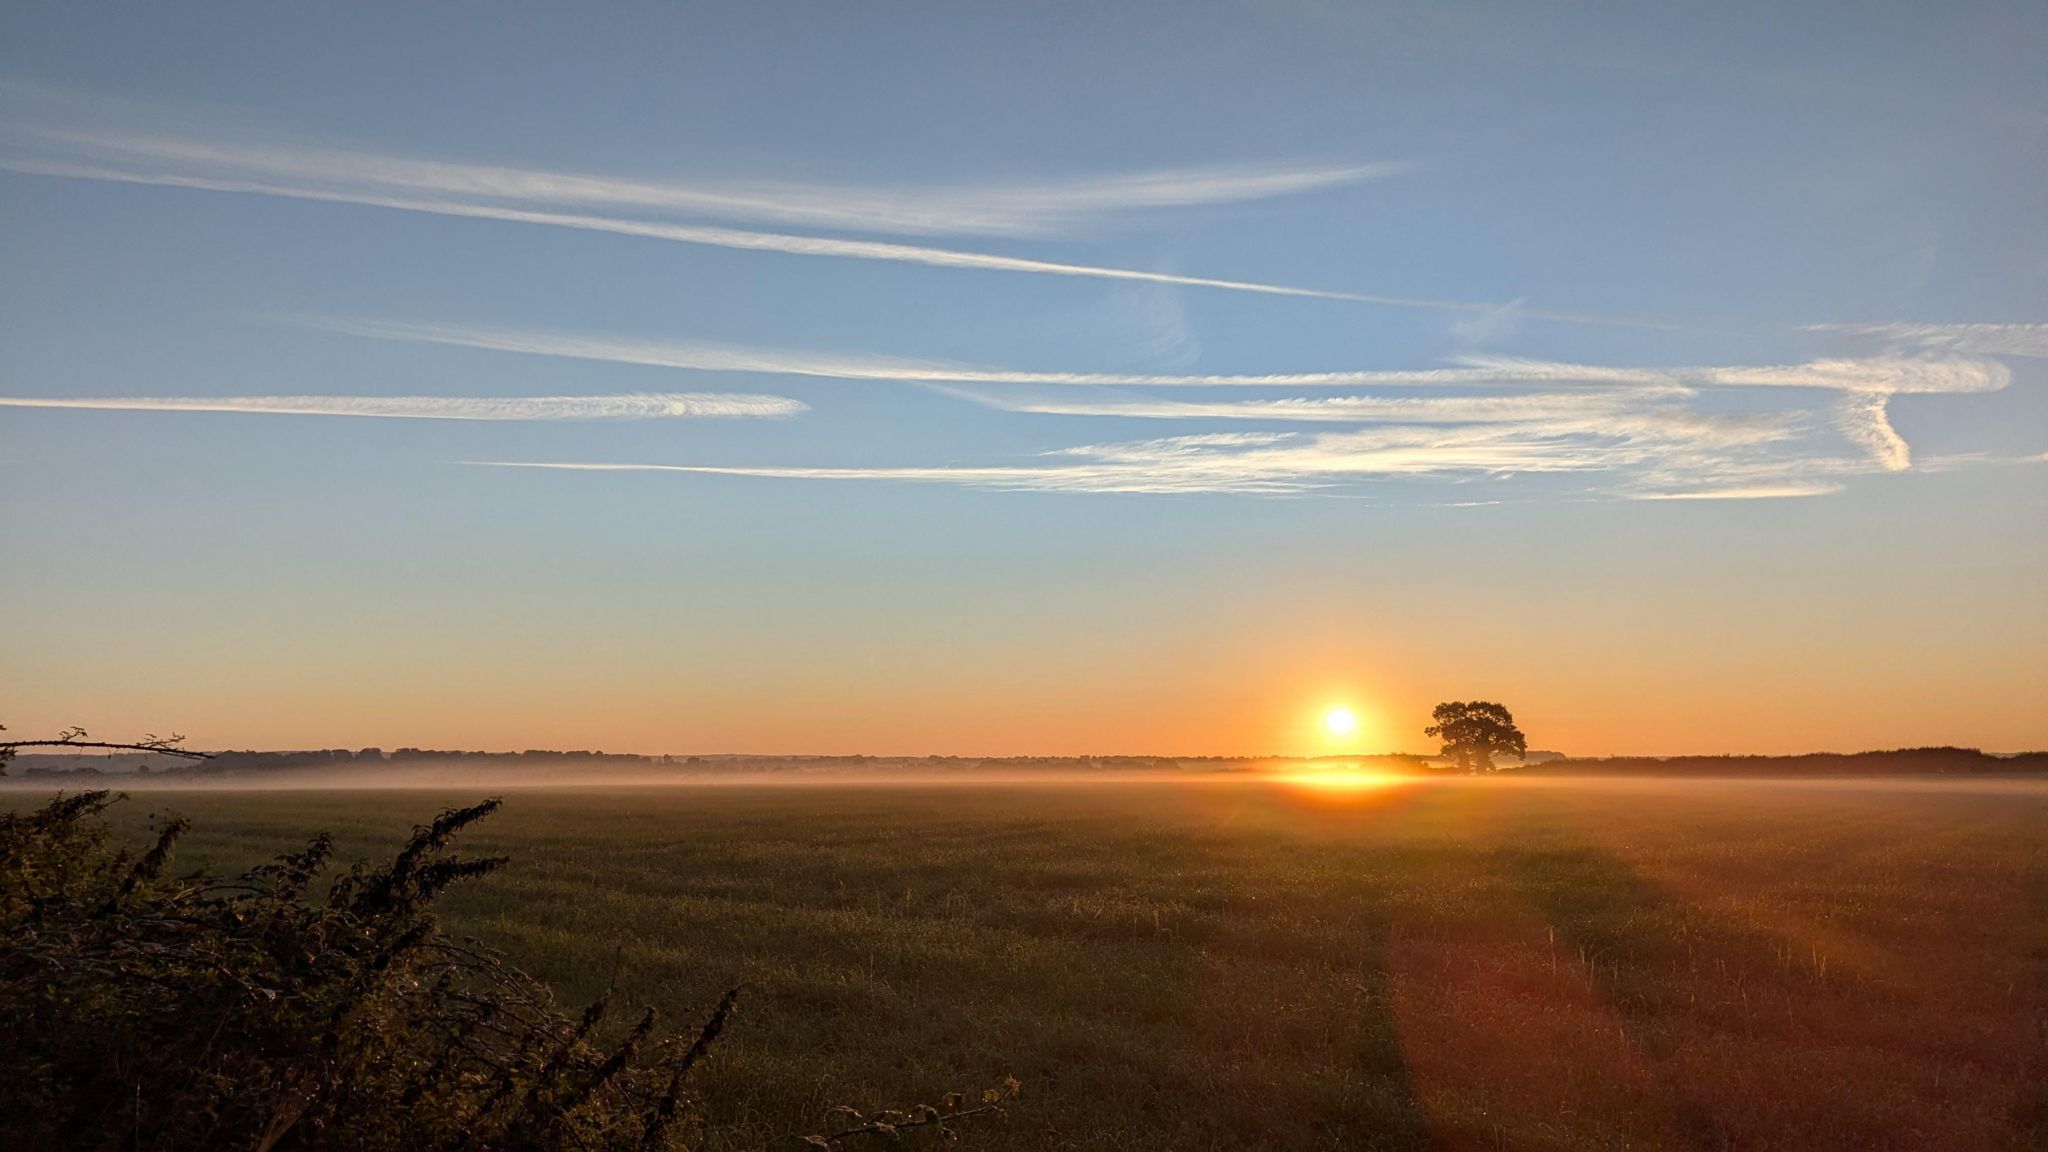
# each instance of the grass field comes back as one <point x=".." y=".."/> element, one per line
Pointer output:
<point x="1490" y="964"/>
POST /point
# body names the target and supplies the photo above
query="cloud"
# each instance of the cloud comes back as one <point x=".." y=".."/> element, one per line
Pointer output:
<point x="1622" y="419"/>
<point x="1659" y="451"/>
<point x="1489" y="326"/>
<point x="1967" y="461"/>
<point x="1342" y="409"/>
<point x="1886" y="374"/>
<point x="1629" y="406"/>
<point x="1685" y="444"/>
<point x="1862" y="418"/>
<point x="925" y="209"/>
<point x="1153" y="318"/>
<point x="542" y="198"/>
<point x="795" y="245"/>
<point x="722" y="237"/>
<point x="1754" y="492"/>
<point x="1966" y="339"/>
<point x="695" y="355"/>
<point x="638" y="406"/>
<point x="1883" y="374"/>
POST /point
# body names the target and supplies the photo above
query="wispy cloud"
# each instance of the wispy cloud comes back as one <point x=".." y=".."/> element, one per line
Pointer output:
<point x="1752" y="492"/>
<point x="1968" y="461"/>
<point x="1966" y="339"/>
<point x="1662" y="452"/>
<point x="1489" y="326"/>
<point x="723" y="237"/>
<point x="1884" y="374"/>
<point x="1616" y="406"/>
<point x="1919" y="358"/>
<point x="1624" y="417"/>
<point x="1862" y="418"/>
<point x="1881" y="374"/>
<point x="1611" y="453"/>
<point x="788" y="244"/>
<point x="1153" y="319"/>
<point x="636" y="406"/>
<point x="1342" y="409"/>
<point x="589" y="203"/>
<point x="1014" y="209"/>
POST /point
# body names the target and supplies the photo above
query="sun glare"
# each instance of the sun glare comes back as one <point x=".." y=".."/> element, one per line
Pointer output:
<point x="1341" y="780"/>
<point x="1340" y="722"/>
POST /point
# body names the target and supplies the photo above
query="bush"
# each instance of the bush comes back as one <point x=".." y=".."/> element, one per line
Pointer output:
<point x="147" y="1010"/>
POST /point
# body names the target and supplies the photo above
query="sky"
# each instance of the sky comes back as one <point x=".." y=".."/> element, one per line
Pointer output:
<point x="966" y="379"/>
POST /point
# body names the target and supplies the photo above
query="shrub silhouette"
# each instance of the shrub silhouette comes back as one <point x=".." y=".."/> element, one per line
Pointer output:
<point x="143" y="1009"/>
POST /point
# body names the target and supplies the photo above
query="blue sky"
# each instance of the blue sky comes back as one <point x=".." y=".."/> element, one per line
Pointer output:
<point x="1045" y="379"/>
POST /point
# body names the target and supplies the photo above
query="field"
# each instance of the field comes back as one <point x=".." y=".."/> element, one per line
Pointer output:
<point x="1235" y="964"/>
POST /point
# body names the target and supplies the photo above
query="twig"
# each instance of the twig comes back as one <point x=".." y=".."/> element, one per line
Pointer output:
<point x="11" y="745"/>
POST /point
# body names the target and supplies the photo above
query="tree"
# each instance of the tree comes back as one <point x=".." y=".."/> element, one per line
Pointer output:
<point x="1472" y="731"/>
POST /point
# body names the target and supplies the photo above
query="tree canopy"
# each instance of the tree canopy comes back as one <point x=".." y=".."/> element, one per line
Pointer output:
<point x="1474" y="731"/>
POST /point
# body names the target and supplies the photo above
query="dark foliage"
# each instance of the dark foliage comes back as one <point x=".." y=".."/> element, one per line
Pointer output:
<point x="146" y="1010"/>
<point x="1474" y="732"/>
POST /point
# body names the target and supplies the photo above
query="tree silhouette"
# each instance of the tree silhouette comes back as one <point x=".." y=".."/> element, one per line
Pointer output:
<point x="1472" y="731"/>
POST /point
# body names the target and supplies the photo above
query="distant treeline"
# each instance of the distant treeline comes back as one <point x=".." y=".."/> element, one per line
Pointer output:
<point x="568" y="764"/>
<point x="250" y="763"/>
<point x="1942" y="761"/>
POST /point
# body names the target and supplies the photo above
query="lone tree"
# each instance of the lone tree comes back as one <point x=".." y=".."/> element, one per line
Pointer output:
<point x="1473" y="731"/>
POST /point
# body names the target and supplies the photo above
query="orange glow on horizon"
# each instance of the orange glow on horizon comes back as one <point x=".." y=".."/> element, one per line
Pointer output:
<point x="1168" y="701"/>
<point x="1342" y="780"/>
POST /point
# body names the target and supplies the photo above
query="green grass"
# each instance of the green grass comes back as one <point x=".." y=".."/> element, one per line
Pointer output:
<point x="1231" y="965"/>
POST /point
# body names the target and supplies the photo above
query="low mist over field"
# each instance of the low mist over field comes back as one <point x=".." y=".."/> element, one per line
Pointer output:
<point x="417" y="768"/>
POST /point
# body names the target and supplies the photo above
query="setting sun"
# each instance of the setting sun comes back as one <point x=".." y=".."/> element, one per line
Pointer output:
<point x="1340" y="721"/>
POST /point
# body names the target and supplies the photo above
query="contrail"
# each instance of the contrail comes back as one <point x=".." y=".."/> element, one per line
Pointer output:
<point x="1881" y="374"/>
<point x="1516" y="408"/>
<point x="795" y="245"/>
<point x="640" y="406"/>
<point x="1034" y="208"/>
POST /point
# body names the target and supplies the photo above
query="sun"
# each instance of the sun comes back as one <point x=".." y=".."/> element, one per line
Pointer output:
<point x="1340" y="722"/>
